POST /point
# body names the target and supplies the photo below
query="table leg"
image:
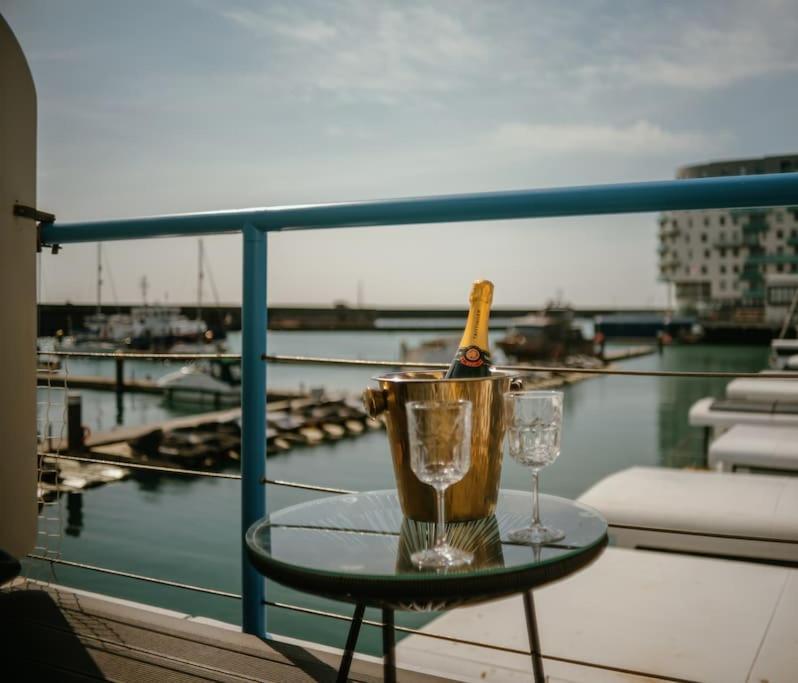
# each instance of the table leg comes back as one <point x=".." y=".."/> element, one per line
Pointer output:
<point x="388" y="651"/>
<point x="534" y="639"/>
<point x="351" y="641"/>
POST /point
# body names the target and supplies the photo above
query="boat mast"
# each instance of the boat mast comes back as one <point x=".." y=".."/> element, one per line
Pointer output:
<point x="200" y="277"/>
<point x="144" y="285"/>
<point x="99" y="276"/>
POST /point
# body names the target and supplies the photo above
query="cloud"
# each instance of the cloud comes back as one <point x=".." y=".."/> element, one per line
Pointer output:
<point x="371" y="50"/>
<point x="639" y="138"/>
<point x="390" y="51"/>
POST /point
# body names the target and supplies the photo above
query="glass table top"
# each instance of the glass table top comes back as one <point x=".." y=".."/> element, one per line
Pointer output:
<point x="365" y="535"/>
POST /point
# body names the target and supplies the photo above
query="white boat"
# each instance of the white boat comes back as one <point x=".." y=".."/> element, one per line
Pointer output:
<point x="784" y="354"/>
<point x="216" y="382"/>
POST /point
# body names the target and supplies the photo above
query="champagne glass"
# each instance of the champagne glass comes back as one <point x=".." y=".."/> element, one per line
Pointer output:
<point x="440" y="455"/>
<point x="534" y="422"/>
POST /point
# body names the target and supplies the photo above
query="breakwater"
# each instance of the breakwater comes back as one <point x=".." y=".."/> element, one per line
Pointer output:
<point x="70" y="317"/>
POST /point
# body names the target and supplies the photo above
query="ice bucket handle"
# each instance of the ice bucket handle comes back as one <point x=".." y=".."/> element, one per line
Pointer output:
<point x="374" y="401"/>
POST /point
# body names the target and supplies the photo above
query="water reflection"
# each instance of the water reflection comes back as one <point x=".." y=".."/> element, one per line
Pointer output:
<point x="479" y="537"/>
<point x="679" y="444"/>
<point x="74" y="506"/>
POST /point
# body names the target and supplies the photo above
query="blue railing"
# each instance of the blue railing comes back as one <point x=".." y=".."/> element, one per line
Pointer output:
<point x="704" y="193"/>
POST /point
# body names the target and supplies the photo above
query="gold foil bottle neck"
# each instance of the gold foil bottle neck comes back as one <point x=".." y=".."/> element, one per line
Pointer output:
<point x="482" y="292"/>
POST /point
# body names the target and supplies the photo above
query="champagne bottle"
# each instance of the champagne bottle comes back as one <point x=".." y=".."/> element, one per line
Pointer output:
<point x="473" y="357"/>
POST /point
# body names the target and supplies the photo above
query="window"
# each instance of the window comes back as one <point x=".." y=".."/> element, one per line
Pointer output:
<point x="687" y="238"/>
<point x="703" y="237"/>
<point x="781" y="296"/>
<point x="735" y="251"/>
<point x="736" y="268"/>
<point x="706" y="220"/>
<point x="703" y="270"/>
<point x="723" y="270"/>
<point x="723" y="285"/>
<point x="779" y="216"/>
<point x="686" y="270"/>
<point x="689" y="222"/>
<point x="674" y="223"/>
<point x="690" y="254"/>
<point x="779" y="267"/>
<point x="706" y="253"/>
<point x="779" y="250"/>
<point x="723" y="220"/>
<point x="734" y="220"/>
<point x="780" y="234"/>
<point x="722" y="252"/>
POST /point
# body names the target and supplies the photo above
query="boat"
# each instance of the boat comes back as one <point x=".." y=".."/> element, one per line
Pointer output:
<point x="151" y="327"/>
<point x="217" y="381"/>
<point x="639" y="326"/>
<point x="437" y="350"/>
<point x="549" y="336"/>
<point x="783" y="354"/>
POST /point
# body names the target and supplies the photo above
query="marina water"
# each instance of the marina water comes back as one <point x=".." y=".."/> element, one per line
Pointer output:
<point x="186" y="529"/>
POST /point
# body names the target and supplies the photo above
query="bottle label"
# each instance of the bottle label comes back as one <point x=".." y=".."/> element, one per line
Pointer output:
<point x="473" y="357"/>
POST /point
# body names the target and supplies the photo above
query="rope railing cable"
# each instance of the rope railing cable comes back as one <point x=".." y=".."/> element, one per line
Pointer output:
<point x="136" y="355"/>
<point x="331" y="489"/>
<point x="198" y="473"/>
<point x="341" y="617"/>
<point x="131" y="575"/>
<point x="559" y="369"/>
<point x="533" y="368"/>
<point x="474" y="643"/>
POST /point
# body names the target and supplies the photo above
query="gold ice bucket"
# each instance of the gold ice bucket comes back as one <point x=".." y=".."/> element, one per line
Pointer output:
<point x="474" y="496"/>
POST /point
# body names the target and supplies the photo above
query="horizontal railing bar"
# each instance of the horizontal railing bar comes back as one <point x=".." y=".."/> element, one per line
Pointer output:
<point x="140" y="466"/>
<point x="196" y="473"/>
<point x="124" y="355"/>
<point x="474" y="643"/>
<point x="668" y="195"/>
<point x="329" y="489"/>
<point x="272" y="358"/>
<point x="130" y="575"/>
<point x="532" y="368"/>
<point x="309" y="487"/>
<point x="708" y="534"/>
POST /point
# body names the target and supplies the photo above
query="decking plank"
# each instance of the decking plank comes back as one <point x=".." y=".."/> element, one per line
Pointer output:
<point x="71" y="636"/>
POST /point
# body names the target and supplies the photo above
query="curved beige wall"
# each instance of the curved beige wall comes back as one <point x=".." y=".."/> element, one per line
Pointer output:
<point x="17" y="300"/>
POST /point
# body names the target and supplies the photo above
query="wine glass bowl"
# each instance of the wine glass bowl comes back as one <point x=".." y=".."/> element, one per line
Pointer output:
<point x="533" y="422"/>
<point x="440" y="454"/>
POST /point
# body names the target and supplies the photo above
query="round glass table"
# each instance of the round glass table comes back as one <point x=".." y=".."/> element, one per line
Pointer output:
<point x="357" y="548"/>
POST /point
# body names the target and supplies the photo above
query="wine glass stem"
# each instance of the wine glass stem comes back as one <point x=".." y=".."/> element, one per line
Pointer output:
<point x="535" y="498"/>
<point x="440" y="525"/>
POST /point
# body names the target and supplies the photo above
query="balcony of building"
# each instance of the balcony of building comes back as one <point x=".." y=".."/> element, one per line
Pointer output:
<point x="755" y="222"/>
<point x="698" y="584"/>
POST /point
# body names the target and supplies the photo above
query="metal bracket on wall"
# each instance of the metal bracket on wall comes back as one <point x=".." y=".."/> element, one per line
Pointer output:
<point x="40" y="217"/>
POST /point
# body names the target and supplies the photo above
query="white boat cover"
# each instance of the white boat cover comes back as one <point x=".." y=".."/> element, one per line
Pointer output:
<point x="764" y="389"/>
<point x="702" y="414"/>
<point x="752" y="505"/>
<point x="770" y="447"/>
<point x="670" y="616"/>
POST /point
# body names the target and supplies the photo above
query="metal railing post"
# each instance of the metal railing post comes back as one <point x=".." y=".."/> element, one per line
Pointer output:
<point x="253" y="420"/>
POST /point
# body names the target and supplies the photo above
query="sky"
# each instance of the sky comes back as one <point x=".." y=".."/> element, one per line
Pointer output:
<point x="194" y="105"/>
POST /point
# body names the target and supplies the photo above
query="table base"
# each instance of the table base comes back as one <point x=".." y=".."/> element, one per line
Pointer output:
<point x="389" y="642"/>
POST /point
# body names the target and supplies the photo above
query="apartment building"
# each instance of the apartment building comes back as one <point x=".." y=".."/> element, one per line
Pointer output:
<point x="724" y="258"/>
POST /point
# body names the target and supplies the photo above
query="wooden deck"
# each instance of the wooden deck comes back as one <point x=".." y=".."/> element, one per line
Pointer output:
<point x="55" y="634"/>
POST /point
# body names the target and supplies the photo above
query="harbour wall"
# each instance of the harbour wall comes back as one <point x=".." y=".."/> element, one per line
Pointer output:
<point x="69" y="317"/>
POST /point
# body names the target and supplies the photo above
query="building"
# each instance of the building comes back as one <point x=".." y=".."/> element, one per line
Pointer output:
<point x="722" y="259"/>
